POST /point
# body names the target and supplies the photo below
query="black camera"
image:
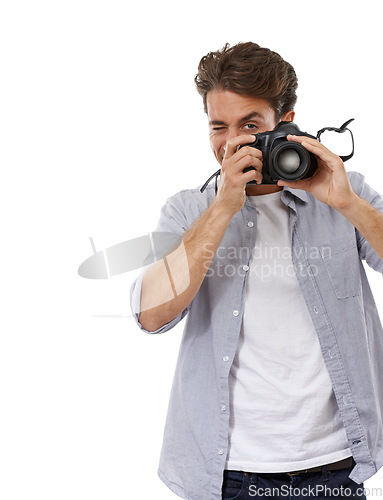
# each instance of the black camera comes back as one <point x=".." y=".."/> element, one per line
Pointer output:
<point x="283" y="159"/>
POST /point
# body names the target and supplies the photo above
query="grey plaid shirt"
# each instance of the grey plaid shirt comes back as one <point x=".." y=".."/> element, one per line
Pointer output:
<point x="327" y="253"/>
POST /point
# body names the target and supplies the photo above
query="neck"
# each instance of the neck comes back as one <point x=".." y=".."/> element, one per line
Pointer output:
<point x="255" y="190"/>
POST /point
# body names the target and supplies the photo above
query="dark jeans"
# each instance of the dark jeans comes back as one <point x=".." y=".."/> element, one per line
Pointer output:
<point x="329" y="485"/>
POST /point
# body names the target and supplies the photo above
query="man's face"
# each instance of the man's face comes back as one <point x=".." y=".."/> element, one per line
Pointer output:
<point x="233" y="114"/>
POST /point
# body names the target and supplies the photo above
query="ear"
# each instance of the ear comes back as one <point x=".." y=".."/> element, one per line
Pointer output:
<point x="288" y="117"/>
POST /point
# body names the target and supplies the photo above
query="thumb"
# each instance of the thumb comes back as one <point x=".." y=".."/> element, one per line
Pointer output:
<point x="302" y="184"/>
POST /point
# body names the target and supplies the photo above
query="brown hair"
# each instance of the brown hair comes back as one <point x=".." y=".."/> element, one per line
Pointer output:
<point x="251" y="70"/>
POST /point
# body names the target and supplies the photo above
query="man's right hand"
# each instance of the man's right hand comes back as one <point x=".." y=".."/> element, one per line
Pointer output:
<point x="231" y="194"/>
<point x="159" y="305"/>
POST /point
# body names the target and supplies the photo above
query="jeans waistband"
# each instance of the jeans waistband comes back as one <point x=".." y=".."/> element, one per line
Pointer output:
<point x="341" y="464"/>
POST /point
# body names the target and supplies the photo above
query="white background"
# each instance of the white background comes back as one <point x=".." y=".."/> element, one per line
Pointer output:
<point x="100" y="123"/>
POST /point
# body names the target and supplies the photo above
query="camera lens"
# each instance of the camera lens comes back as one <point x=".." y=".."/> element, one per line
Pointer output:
<point x="289" y="161"/>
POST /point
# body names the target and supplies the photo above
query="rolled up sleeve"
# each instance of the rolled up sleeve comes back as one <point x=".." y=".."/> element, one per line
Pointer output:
<point x="135" y="303"/>
<point x="173" y="220"/>
<point x="375" y="199"/>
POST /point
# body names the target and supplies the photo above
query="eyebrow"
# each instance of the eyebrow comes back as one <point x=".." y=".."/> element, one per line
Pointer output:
<point x="251" y="115"/>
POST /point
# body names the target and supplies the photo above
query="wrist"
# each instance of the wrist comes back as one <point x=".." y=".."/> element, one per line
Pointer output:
<point x="352" y="208"/>
<point x="221" y="210"/>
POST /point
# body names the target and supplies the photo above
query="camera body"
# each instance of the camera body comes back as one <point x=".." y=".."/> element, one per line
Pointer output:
<point x="283" y="159"/>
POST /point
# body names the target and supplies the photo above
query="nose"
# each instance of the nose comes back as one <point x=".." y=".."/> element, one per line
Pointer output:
<point x="233" y="132"/>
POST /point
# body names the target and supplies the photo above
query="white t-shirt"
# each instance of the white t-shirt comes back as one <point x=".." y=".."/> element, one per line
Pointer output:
<point x="284" y="415"/>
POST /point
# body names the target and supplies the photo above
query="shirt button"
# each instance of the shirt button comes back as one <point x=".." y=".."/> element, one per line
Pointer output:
<point x="245" y="267"/>
<point x="250" y="223"/>
<point x="220" y="451"/>
<point x="235" y="312"/>
<point x="301" y="266"/>
<point x="226" y="358"/>
<point x="315" y="309"/>
<point x="223" y="407"/>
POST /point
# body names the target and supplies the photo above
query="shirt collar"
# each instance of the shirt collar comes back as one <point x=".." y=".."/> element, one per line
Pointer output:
<point x="288" y="199"/>
<point x="299" y="193"/>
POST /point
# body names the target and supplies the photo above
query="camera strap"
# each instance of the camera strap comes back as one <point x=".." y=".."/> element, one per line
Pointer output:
<point x="216" y="174"/>
<point x="340" y="130"/>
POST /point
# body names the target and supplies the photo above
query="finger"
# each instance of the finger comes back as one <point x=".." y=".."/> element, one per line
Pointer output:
<point x="246" y="161"/>
<point x="248" y="150"/>
<point x="317" y="148"/>
<point x="232" y="144"/>
<point x="303" y="138"/>
<point x="301" y="184"/>
<point x="252" y="175"/>
<point x="311" y="143"/>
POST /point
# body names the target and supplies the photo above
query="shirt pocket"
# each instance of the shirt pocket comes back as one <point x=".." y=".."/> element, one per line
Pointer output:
<point x="343" y="270"/>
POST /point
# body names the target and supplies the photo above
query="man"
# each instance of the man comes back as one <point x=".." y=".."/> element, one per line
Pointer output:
<point x="277" y="383"/>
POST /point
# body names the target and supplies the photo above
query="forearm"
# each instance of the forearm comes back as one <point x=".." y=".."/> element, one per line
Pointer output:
<point x="368" y="221"/>
<point x="170" y="284"/>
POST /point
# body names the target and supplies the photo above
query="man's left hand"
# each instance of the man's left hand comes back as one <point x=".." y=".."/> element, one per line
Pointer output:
<point x="330" y="183"/>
